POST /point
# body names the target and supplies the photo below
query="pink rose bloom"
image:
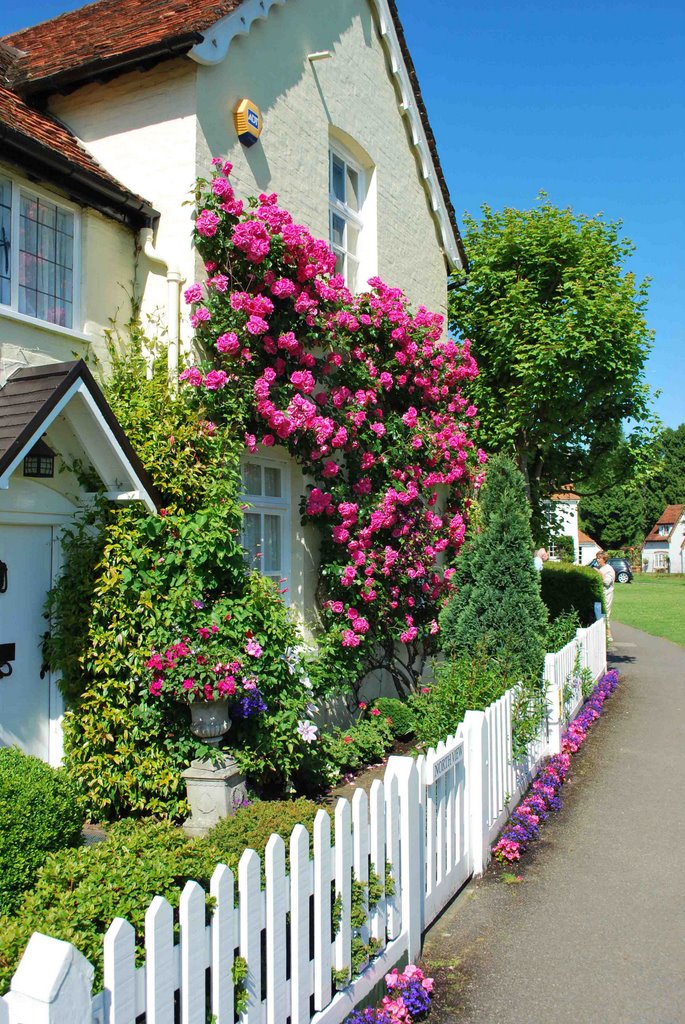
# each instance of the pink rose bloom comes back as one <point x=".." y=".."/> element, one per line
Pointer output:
<point x="350" y="638"/>
<point x="192" y="376"/>
<point x="207" y="223"/>
<point x="228" y="343"/>
<point x="253" y="648"/>
<point x="256" y="325"/>
<point x="193" y="294"/>
<point x="215" y="380"/>
<point x="330" y="469"/>
<point x="268" y="440"/>
<point x="155" y="687"/>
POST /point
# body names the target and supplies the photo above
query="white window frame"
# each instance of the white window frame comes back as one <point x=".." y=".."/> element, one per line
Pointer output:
<point x="18" y="189"/>
<point x="261" y="504"/>
<point x="660" y="560"/>
<point x="347" y="214"/>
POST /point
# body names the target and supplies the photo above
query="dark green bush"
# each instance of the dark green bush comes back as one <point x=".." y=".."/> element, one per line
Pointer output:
<point x="568" y="588"/>
<point x="496" y="608"/>
<point x="38" y="815"/>
<point x="400" y="714"/>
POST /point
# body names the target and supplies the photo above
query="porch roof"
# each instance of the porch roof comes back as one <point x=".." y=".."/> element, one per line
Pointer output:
<point x="35" y="396"/>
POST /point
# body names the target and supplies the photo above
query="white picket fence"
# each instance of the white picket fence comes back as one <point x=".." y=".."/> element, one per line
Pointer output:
<point x="428" y="826"/>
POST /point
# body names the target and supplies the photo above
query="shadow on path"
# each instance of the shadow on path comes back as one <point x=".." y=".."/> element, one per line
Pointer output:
<point x="594" y="932"/>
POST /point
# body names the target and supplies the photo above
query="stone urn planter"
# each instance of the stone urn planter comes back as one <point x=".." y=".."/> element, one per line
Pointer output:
<point x="215" y="786"/>
<point x="209" y="720"/>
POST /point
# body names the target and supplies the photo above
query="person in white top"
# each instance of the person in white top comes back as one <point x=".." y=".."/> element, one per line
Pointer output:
<point x="539" y="558"/>
<point x="608" y="579"/>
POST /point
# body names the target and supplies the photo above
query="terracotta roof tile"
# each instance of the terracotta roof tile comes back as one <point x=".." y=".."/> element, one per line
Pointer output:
<point x="585" y="538"/>
<point x="38" y="142"/>
<point x="109" y="29"/>
<point x="669" y="517"/>
<point x="111" y="35"/>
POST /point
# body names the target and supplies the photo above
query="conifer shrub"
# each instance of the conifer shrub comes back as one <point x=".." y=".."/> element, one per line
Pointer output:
<point x="568" y="588"/>
<point x="497" y="609"/>
<point x="38" y="815"/>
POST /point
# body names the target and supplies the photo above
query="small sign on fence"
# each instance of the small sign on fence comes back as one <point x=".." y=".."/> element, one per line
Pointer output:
<point x="444" y="763"/>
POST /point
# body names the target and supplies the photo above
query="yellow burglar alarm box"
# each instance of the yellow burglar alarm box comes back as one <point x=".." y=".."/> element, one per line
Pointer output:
<point x="247" y="118"/>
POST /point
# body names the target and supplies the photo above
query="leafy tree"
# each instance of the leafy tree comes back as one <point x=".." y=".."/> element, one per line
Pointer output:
<point x="559" y="334"/>
<point x="497" y="611"/>
<point x="621" y="515"/>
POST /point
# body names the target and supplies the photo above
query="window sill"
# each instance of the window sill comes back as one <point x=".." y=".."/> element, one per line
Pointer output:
<point x="43" y="325"/>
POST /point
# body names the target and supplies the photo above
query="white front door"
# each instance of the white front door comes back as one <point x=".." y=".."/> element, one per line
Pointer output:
<point x="24" y="696"/>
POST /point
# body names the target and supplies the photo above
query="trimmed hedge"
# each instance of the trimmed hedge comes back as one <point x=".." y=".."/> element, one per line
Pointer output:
<point x="567" y="588"/>
<point x="38" y="815"/>
<point x="79" y="892"/>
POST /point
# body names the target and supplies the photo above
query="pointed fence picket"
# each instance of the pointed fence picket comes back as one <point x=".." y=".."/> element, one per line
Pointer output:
<point x="418" y="836"/>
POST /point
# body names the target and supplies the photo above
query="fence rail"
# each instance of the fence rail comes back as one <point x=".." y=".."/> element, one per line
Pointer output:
<point x="425" y="829"/>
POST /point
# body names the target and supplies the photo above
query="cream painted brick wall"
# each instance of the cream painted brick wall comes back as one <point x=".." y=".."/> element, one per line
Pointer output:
<point x="353" y="93"/>
<point x="141" y="127"/>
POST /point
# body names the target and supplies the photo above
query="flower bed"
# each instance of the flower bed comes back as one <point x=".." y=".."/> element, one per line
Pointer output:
<point x="408" y="999"/>
<point x="524" y="824"/>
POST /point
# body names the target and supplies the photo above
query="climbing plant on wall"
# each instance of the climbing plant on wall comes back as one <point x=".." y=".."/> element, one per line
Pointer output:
<point x="365" y="394"/>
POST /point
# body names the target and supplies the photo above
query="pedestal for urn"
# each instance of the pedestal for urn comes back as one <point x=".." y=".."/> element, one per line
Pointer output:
<point x="215" y="789"/>
<point x="215" y="786"/>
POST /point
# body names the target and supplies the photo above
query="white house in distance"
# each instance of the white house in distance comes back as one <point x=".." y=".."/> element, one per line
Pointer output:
<point x="563" y="514"/>
<point x="108" y="114"/>
<point x="587" y="546"/>
<point x="664" y="547"/>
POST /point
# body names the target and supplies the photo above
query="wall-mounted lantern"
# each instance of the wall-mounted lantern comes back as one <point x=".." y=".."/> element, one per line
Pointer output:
<point x="40" y="461"/>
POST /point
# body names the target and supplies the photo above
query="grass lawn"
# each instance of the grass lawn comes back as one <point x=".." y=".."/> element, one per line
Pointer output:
<point x="655" y="604"/>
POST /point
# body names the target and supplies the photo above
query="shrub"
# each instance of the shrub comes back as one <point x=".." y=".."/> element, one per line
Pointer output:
<point x="561" y="630"/>
<point x="80" y="892"/>
<point x="401" y="716"/>
<point x="567" y="588"/>
<point x="363" y="743"/>
<point x="460" y="685"/>
<point x="497" y="607"/>
<point x="251" y="827"/>
<point x="38" y="815"/>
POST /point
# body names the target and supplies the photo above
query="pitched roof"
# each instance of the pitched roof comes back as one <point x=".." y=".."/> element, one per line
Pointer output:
<point x="113" y="36"/>
<point x="585" y="538"/>
<point x="33" y="393"/>
<point x="669" y="517"/>
<point x="565" y="494"/>
<point x="38" y="143"/>
<point x="102" y="34"/>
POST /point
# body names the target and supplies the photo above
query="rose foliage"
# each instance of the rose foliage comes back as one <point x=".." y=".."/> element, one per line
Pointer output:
<point x="364" y="394"/>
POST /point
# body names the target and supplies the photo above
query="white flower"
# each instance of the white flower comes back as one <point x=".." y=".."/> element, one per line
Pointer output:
<point x="307" y="731"/>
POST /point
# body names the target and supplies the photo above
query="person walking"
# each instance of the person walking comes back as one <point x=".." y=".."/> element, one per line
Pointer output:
<point x="608" y="575"/>
<point x="539" y="558"/>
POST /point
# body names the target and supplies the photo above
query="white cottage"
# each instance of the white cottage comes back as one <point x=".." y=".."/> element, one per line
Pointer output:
<point x="125" y="99"/>
<point x="664" y="547"/>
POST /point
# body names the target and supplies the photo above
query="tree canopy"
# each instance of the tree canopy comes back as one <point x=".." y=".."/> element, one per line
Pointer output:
<point x="621" y="515"/>
<point x="559" y="333"/>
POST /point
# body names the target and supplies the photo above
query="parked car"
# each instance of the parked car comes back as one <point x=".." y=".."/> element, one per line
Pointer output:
<point x="624" y="574"/>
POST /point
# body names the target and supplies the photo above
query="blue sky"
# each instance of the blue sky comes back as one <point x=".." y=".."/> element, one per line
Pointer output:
<point x="585" y="100"/>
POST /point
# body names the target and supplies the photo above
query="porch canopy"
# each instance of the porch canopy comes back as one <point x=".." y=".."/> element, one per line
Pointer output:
<point x="65" y="395"/>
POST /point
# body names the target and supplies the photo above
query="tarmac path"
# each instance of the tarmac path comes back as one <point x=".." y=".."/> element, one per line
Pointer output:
<point x="594" y="933"/>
